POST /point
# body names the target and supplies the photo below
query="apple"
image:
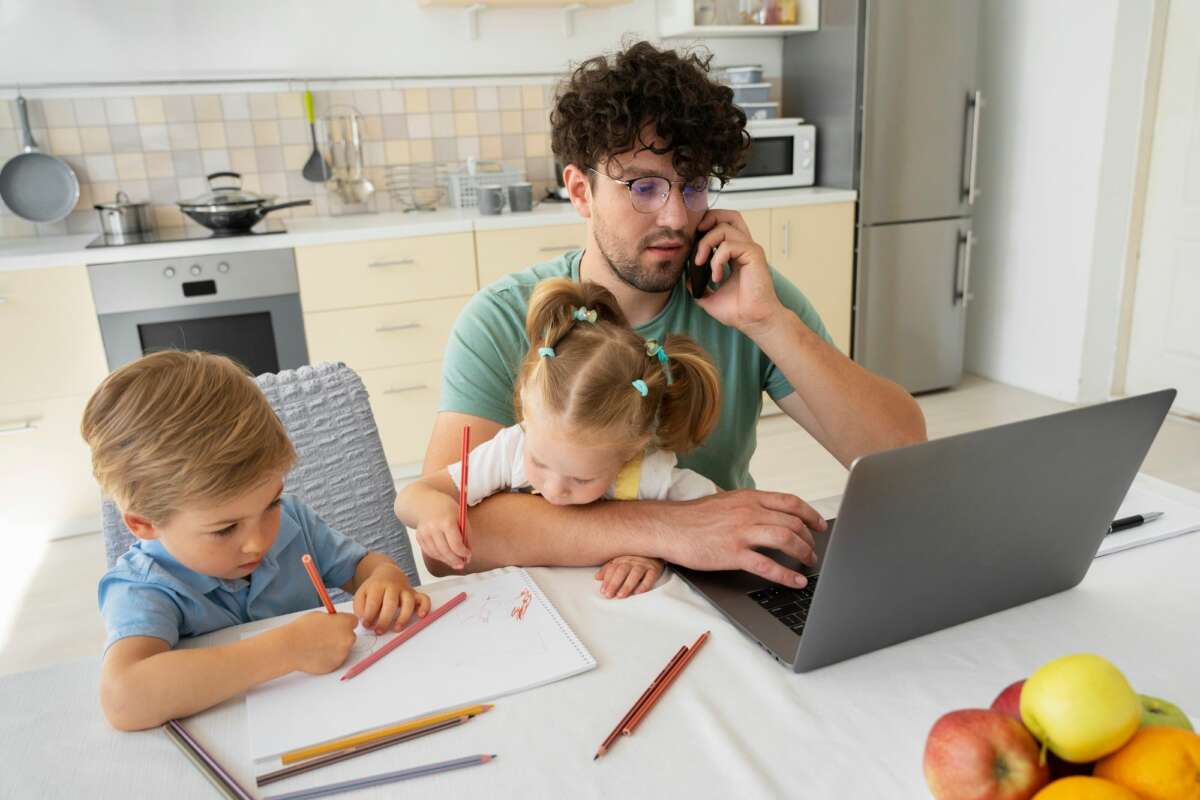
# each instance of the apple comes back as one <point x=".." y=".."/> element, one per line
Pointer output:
<point x="1156" y="711"/>
<point x="1080" y="706"/>
<point x="982" y="754"/>
<point x="1009" y="700"/>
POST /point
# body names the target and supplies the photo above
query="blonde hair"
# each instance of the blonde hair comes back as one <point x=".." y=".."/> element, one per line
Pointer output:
<point x="176" y="428"/>
<point x="589" y="380"/>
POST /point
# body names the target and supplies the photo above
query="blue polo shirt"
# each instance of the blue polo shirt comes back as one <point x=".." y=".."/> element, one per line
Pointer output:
<point x="149" y="593"/>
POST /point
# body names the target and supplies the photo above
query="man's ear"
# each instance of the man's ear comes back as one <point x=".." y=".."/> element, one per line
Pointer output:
<point x="139" y="526"/>
<point x="579" y="189"/>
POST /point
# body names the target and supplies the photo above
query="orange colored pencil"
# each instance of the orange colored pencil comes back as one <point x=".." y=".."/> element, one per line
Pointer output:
<point x="463" y="473"/>
<point x="631" y="726"/>
<point x="317" y="582"/>
<point x="616" y="732"/>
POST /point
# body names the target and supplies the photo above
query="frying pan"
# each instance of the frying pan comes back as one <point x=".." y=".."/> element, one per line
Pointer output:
<point x="37" y="186"/>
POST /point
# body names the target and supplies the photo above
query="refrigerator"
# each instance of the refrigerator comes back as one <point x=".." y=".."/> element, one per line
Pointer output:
<point x="893" y="90"/>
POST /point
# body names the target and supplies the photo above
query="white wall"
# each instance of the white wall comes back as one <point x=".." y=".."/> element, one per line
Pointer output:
<point x="117" y="41"/>
<point x="1064" y="85"/>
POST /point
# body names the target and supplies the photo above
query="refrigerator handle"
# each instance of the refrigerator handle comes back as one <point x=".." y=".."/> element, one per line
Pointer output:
<point x="966" y="290"/>
<point x="957" y="292"/>
<point x="975" y="102"/>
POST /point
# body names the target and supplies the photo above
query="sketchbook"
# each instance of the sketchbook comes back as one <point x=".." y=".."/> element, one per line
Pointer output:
<point x="506" y="637"/>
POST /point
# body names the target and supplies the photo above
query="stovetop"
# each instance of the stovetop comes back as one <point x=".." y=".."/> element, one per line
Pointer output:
<point x="185" y="235"/>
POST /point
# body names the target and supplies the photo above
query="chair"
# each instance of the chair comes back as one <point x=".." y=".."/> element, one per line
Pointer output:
<point x="341" y="472"/>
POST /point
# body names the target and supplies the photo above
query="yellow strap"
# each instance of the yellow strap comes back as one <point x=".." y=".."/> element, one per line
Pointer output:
<point x="629" y="479"/>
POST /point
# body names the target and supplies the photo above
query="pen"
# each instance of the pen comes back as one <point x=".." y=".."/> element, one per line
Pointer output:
<point x="1133" y="521"/>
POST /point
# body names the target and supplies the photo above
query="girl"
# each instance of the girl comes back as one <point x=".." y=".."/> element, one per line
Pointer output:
<point x="601" y="413"/>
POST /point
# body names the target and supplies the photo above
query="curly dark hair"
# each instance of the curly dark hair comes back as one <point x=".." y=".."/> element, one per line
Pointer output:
<point x="603" y="107"/>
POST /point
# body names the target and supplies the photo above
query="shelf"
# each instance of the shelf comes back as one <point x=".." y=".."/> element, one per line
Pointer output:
<point x="676" y="19"/>
<point x="474" y="7"/>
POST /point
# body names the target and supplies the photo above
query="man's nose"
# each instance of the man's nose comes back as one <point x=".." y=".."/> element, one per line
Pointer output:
<point x="674" y="213"/>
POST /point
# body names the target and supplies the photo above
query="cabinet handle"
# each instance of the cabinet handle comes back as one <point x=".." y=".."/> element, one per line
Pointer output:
<point x="398" y="262"/>
<point x="556" y="248"/>
<point x="26" y="426"/>
<point x="787" y="238"/>
<point x="976" y="104"/>
<point x="402" y="389"/>
<point x="3" y="300"/>
<point x="404" y="326"/>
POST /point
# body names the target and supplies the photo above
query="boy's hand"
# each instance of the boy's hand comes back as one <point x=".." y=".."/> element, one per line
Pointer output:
<point x="439" y="538"/>
<point x="385" y="592"/>
<point x="626" y="575"/>
<point x="319" y="642"/>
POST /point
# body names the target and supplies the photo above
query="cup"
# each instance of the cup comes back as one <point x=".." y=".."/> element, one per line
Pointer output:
<point x="492" y="199"/>
<point x="520" y="197"/>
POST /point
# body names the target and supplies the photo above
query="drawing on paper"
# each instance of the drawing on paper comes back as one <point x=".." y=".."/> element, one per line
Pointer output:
<point x="518" y="612"/>
<point x="368" y="640"/>
<point x="484" y="612"/>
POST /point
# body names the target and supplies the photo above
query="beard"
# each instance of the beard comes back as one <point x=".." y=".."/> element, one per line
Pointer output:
<point x="658" y="274"/>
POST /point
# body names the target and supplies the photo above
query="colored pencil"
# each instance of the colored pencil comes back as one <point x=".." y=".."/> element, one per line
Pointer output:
<point x="292" y="756"/>
<point x="616" y="732"/>
<point x="317" y="582"/>
<point x="631" y="726"/>
<point x="406" y="634"/>
<point x="385" y="777"/>
<point x="463" y="473"/>
<point x="216" y="774"/>
<point x="355" y="750"/>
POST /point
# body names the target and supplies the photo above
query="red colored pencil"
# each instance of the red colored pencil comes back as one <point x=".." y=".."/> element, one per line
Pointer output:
<point x="463" y="473"/>
<point x="616" y="732"/>
<point x="631" y="726"/>
<point x="406" y="634"/>
<point x="317" y="582"/>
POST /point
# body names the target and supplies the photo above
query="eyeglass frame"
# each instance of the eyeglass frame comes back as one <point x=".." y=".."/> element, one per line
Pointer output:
<point x="628" y="184"/>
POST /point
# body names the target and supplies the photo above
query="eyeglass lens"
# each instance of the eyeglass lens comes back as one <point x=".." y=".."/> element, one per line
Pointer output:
<point x="650" y="194"/>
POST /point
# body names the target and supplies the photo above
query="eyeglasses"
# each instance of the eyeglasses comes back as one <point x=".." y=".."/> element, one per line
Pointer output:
<point x="650" y="193"/>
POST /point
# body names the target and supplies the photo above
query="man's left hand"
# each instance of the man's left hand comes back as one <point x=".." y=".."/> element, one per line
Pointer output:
<point x="746" y="299"/>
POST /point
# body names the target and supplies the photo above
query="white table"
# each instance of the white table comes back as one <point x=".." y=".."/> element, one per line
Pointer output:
<point x="736" y="724"/>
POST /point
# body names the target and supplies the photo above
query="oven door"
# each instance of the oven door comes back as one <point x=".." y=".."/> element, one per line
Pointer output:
<point x="265" y="334"/>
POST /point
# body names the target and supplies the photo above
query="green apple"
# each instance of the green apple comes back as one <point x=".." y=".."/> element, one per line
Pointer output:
<point x="1081" y="707"/>
<point x="1156" y="711"/>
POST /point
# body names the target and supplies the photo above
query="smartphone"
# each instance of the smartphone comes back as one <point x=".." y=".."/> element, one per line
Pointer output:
<point x="697" y="276"/>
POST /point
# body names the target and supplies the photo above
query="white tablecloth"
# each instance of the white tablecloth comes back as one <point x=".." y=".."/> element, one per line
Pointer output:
<point x="736" y="724"/>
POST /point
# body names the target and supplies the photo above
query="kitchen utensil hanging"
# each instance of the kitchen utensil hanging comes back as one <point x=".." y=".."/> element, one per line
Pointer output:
<point x="37" y="186"/>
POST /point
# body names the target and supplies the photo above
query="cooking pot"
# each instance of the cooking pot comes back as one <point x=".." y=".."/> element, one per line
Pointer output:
<point x="121" y="218"/>
<point x="226" y="209"/>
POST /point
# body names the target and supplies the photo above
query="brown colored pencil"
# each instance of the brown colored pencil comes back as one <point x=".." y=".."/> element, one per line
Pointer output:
<point x="631" y="726"/>
<point x="612" y="737"/>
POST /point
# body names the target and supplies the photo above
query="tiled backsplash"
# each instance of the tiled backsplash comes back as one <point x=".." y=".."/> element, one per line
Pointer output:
<point x="160" y="147"/>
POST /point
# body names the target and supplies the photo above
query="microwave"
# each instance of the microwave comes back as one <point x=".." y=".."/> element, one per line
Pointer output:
<point x="783" y="154"/>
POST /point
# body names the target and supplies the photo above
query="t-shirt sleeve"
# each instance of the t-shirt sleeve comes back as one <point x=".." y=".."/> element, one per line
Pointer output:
<point x="336" y="554"/>
<point x="774" y="382"/>
<point x="482" y="356"/>
<point x="662" y="480"/>
<point x="134" y="608"/>
<point x="492" y="465"/>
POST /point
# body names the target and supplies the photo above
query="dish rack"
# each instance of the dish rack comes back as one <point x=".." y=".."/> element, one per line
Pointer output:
<point x="463" y="183"/>
<point x="417" y="187"/>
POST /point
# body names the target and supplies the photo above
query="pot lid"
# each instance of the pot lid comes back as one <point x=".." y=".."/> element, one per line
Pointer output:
<point x="225" y="190"/>
<point x="121" y="202"/>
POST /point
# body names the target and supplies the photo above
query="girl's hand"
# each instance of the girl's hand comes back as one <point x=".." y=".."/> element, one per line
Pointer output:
<point x="386" y="599"/>
<point x="626" y="575"/>
<point x="439" y="538"/>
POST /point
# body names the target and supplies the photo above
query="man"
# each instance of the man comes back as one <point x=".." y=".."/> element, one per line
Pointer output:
<point x="640" y="136"/>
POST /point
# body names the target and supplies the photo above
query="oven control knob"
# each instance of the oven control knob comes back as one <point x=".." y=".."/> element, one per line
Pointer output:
<point x="169" y="272"/>
<point x="223" y="267"/>
<point x="196" y="269"/>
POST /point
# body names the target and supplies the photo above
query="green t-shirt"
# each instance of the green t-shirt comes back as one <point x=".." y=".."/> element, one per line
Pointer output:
<point x="488" y="343"/>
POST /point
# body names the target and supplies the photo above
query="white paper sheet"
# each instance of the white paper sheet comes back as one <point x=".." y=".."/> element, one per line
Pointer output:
<point x="506" y="637"/>
<point x="1181" y="514"/>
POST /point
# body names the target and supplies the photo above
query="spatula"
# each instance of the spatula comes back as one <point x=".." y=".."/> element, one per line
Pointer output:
<point x="315" y="169"/>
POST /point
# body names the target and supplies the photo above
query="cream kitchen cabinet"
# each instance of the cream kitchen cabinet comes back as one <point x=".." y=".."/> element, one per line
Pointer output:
<point x="500" y="252"/>
<point x="404" y="401"/>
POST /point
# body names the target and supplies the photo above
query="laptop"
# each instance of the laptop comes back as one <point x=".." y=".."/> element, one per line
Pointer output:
<point x="940" y="533"/>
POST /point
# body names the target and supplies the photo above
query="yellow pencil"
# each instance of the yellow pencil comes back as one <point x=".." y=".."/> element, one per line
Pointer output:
<point x="293" y="756"/>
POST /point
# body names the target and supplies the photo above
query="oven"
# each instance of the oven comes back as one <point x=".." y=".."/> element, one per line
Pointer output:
<point x="782" y="155"/>
<point x="243" y="305"/>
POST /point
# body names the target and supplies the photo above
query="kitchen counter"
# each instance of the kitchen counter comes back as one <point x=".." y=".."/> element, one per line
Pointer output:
<point x="58" y="251"/>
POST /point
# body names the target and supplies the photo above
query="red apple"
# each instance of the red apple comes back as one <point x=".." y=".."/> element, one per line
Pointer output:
<point x="980" y="754"/>
<point x="1009" y="701"/>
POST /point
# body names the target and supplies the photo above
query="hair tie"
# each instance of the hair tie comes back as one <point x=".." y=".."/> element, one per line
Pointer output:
<point x="655" y="350"/>
<point x="641" y="387"/>
<point x="585" y="314"/>
<point x="546" y="352"/>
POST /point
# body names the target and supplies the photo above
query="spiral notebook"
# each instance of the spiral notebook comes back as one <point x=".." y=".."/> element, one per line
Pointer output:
<point x="506" y="637"/>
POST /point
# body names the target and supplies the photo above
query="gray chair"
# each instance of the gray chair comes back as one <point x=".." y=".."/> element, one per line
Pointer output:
<point x="341" y="472"/>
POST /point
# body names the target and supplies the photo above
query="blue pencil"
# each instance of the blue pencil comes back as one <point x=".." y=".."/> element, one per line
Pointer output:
<point x="384" y="777"/>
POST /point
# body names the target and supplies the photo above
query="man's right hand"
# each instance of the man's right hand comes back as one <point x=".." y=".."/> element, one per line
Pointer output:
<point x="724" y="531"/>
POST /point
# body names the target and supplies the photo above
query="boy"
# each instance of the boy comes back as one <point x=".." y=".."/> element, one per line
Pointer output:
<point x="191" y="452"/>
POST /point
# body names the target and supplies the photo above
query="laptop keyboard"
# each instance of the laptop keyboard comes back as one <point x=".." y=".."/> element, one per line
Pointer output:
<point x="789" y="606"/>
